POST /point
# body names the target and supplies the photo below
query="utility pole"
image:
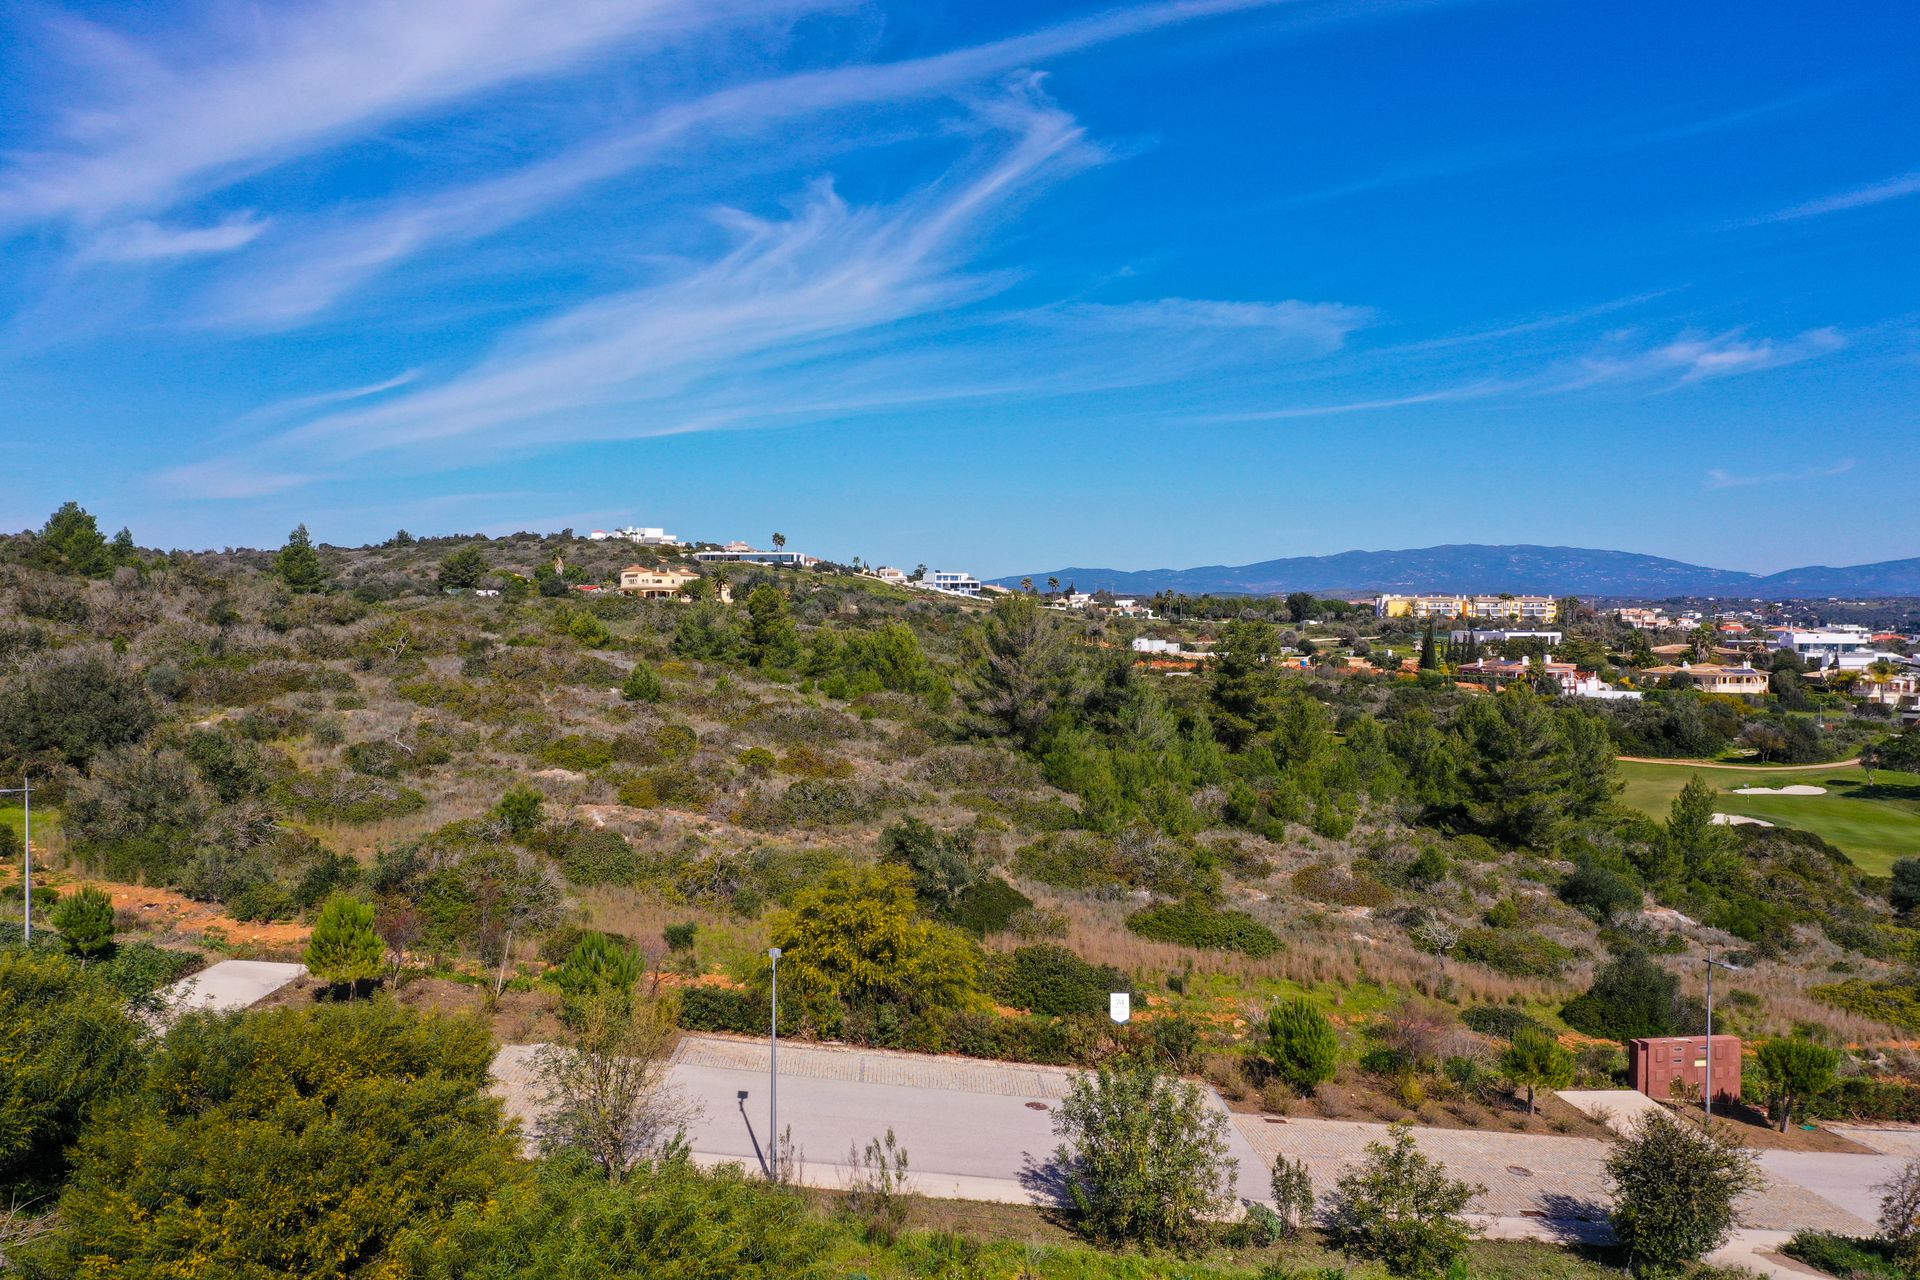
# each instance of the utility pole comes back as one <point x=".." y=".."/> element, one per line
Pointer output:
<point x="1712" y="964"/>
<point x="25" y="792"/>
<point x="773" y="1073"/>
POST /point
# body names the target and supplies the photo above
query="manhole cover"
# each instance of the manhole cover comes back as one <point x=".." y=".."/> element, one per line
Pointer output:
<point x="1519" y="1171"/>
<point x="1036" y="1106"/>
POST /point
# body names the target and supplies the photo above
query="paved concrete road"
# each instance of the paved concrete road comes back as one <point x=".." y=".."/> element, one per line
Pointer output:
<point x="984" y="1131"/>
<point x="231" y="984"/>
<point x="973" y="1130"/>
<point x="1850" y="1181"/>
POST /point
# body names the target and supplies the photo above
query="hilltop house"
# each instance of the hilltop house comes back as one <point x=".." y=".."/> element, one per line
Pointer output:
<point x="951" y="583"/>
<point x="655" y="584"/>
<point x="639" y="536"/>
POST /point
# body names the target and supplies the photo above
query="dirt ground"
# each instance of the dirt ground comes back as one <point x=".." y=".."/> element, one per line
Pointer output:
<point x="517" y="1017"/>
<point x="173" y="918"/>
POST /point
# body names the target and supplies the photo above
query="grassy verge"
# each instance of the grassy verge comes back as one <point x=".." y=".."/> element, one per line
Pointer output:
<point x="1017" y="1242"/>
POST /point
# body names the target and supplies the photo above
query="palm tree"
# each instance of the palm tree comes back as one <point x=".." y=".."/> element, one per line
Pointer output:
<point x="1026" y="585"/>
<point x="779" y="541"/>
<point x="1053" y="586"/>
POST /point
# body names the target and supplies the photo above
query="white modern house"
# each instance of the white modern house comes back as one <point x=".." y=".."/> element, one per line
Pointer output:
<point x="1848" y="647"/>
<point x="1500" y="636"/>
<point x="889" y="575"/>
<point x="947" y="582"/>
<point x="637" y="535"/>
<point x="750" y="555"/>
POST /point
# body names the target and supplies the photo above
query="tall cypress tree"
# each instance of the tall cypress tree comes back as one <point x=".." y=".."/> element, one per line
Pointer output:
<point x="1427" y="661"/>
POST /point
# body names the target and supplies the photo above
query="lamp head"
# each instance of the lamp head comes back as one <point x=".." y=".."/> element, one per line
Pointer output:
<point x="773" y="953"/>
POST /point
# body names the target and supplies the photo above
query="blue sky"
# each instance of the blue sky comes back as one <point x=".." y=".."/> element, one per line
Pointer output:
<point x="987" y="286"/>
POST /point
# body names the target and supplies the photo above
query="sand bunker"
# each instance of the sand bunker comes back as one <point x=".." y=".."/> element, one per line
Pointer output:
<point x="1737" y="820"/>
<point x="1797" y="789"/>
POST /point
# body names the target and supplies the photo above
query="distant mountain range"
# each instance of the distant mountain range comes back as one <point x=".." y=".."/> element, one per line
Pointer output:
<point x="1525" y="570"/>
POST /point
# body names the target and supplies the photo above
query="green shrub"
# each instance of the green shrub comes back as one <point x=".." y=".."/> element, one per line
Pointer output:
<point x="1051" y="980"/>
<point x="85" y="921"/>
<point x="1846" y="1256"/>
<point x="1301" y="1046"/>
<point x="1337" y="886"/>
<point x="642" y="685"/>
<point x="1401" y="1208"/>
<point x="332" y="795"/>
<point x="1632" y="997"/>
<point x="1070" y="860"/>
<point x="1501" y="1021"/>
<point x="591" y="856"/>
<point x="1516" y="952"/>
<point x="1192" y="922"/>
<point x="1675" y="1189"/>
<point x="1146" y="1157"/>
<point x="987" y="906"/>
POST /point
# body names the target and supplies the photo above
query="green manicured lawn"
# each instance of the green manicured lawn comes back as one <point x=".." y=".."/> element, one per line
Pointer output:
<point x="1872" y="825"/>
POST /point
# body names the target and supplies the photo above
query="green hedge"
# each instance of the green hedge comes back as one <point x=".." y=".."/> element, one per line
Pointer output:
<point x="1193" y="923"/>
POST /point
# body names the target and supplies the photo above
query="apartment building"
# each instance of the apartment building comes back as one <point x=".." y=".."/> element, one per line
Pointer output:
<point x="1530" y="610"/>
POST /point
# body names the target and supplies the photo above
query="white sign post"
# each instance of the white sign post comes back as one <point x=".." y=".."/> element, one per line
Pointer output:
<point x="1120" y="1006"/>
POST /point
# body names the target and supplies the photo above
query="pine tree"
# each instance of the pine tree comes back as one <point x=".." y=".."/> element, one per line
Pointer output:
<point x="73" y="535"/>
<point x="344" y="948"/>
<point x="298" y="564"/>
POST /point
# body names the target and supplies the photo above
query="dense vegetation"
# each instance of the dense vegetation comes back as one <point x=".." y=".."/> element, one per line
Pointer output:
<point x="964" y="823"/>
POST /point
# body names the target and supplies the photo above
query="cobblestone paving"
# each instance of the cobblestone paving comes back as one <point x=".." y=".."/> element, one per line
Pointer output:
<point x="878" y="1066"/>
<point x="1525" y="1175"/>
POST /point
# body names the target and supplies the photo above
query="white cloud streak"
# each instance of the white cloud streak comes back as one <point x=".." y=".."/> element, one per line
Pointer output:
<point x="787" y="290"/>
<point x="150" y="131"/>
<point x="1694" y="357"/>
<point x="1721" y="479"/>
<point x="148" y="241"/>
<point x="1896" y="188"/>
<point x="312" y="271"/>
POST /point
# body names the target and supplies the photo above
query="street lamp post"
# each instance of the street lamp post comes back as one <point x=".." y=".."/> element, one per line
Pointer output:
<point x="25" y="792"/>
<point x="773" y="1073"/>
<point x="1712" y="964"/>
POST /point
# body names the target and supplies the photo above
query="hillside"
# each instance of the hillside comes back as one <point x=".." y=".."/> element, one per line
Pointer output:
<point x="1518" y="568"/>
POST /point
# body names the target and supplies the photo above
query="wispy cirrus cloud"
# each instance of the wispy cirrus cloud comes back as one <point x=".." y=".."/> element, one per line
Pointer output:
<point x="1895" y="188"/>
<point x="1695" y="357"/>
<point x="1718" y="478"/>
<point x="331" y="255"/>
<point x="787" y="290"/>
<point x="148" y="241"/>
<point x="833" y="311"/>
<point x="148" y="128"/>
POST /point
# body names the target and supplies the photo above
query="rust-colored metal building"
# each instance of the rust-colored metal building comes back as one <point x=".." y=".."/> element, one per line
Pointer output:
<point x="1654" y="1064"/>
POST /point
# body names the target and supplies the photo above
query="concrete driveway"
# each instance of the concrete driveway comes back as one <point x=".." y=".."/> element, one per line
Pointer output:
<point x="231" y="984"/>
